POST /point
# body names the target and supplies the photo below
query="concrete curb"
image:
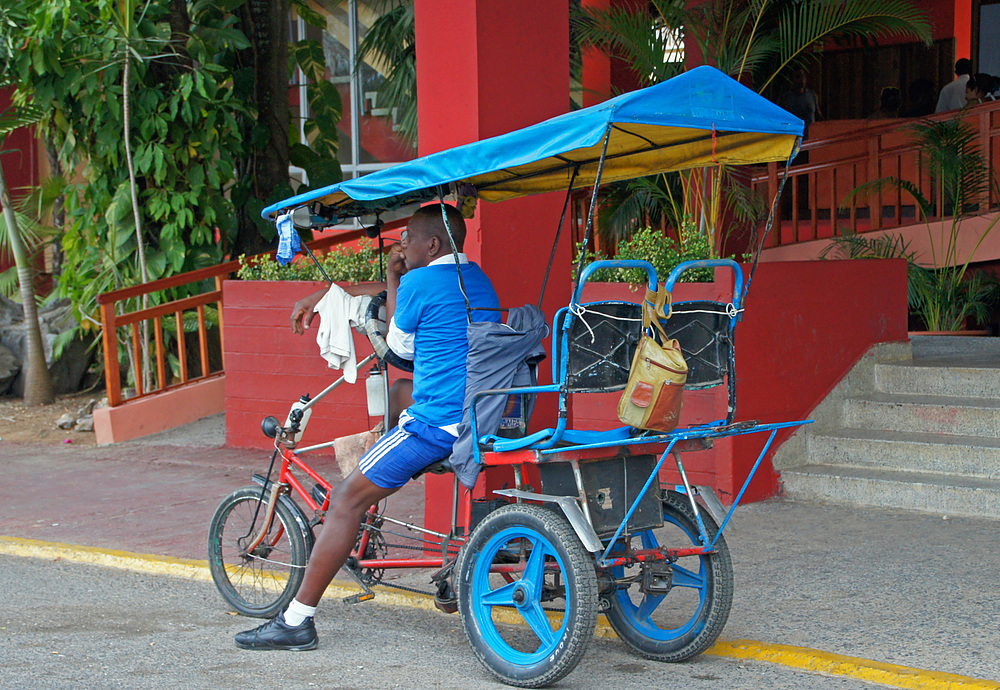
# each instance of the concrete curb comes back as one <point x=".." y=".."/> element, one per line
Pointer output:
<point x="803" y="658"/>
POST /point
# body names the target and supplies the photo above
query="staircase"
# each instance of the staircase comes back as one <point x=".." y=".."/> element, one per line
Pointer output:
<point x="913" y="426"/>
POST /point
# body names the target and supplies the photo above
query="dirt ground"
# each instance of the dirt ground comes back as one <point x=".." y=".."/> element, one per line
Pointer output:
<point x="38" y="424"/>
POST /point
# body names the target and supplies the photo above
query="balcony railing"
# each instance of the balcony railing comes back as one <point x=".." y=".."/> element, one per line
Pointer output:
<point x="169" y="318"/>
<point x="815" y="202"/>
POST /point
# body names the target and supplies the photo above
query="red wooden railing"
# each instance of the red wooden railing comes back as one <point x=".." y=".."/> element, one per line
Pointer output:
<point x="815" y="204"/>
<point x="112" y="321"/>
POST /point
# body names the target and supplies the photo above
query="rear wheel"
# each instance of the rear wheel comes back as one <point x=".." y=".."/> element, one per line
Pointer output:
<point x="528" y="595"/>
<point x="685" y="604"/>
<point x="261" y="582"/>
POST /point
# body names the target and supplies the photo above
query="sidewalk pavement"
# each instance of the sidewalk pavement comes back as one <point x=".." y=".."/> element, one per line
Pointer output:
<point x="911" y="589"/>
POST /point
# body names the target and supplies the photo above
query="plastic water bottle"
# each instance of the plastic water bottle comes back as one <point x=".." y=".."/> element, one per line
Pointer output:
<point x="375" y="388"/>
<point x="299" y="404"/>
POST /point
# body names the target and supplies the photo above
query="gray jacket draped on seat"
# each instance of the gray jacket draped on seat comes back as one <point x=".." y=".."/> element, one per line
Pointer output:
<point x="500" y="356"/>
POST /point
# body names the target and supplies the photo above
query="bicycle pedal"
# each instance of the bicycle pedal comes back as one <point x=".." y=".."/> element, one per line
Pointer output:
<point x="359" y="597"/>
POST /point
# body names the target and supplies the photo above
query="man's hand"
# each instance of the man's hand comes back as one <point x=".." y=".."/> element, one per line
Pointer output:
<point x="303" y="314"/>
<point x="396" y="262"/>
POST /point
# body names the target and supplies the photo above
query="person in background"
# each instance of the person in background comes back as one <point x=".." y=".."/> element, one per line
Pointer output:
<point x="953" y="94"/>
<point x="921" y="98"/>
<point x="979" y="89"/>
<point x="888" y="104"/>
<point x="800" y="100"/>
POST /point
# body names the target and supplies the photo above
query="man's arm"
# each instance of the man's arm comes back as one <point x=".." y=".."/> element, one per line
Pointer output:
<point x="303" y="314"/>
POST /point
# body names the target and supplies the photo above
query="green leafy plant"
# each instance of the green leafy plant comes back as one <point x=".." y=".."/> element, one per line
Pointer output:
<point x="665" y="253"/>
<point x="343" y="264"/>
<point x="942" y="291"/>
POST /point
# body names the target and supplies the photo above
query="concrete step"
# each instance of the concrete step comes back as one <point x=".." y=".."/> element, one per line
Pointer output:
<point x="925" y="414"/>
<point x="936" y="493"/>
<point x="925" y="377"/>
<point x="969" y="456"/>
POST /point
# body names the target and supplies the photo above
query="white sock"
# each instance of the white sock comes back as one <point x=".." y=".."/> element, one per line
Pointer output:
<point x="298" y="612"/>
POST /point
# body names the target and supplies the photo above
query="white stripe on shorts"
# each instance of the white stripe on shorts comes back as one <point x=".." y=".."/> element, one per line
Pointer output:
<point x="382" y="447"/>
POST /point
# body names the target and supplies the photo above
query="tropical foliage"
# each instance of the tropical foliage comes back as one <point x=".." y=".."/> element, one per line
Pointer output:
<point x="38" y="388"/>
<point x="942" y="290"/>
<point x="390" y="43"/>
<point x="754" y="41"/>
<point x="202" y="120"/>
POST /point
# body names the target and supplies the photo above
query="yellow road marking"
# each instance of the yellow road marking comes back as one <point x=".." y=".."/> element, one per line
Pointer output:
<point x="803" y="658"/>
<point x="853" y="667"/>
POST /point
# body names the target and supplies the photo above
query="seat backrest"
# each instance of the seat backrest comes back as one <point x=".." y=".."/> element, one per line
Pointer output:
<point x="601" y="343"/>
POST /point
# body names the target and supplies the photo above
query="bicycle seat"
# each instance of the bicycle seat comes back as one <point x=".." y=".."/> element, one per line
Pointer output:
<point x="439" y="467"/>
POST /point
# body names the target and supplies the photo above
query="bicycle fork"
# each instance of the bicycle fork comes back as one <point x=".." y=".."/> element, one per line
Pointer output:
<point x="272" y="503"/>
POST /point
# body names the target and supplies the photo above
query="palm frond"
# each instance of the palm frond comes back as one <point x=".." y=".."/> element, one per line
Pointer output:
<point x="389" y="47"/>
<point x="858" y="246"/>
<point x="872" y="188"/>
<point x="16" y="118"/>
<point x="807" y="25"/>
<point x="642" y="41"/>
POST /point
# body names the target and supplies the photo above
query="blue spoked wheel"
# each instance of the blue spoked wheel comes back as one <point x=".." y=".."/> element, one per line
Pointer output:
<point x="527" y="590"/>
<point x="690" y="603"/>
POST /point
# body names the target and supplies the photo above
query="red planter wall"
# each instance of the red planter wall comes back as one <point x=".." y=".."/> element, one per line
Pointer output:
<point x="268" y="367"/>
<point x="806" y="324"/>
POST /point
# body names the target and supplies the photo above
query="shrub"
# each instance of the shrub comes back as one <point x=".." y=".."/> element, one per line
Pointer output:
<point x="343" y="264"/>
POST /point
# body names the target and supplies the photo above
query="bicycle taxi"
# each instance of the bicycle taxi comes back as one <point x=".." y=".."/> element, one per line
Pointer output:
<point x="532" y="568"/>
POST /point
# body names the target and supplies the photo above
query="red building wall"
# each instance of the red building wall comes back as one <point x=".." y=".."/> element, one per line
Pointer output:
<point x="20" y="163"/>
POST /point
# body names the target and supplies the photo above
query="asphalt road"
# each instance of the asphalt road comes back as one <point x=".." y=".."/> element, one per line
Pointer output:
<point x="66" y="625"/>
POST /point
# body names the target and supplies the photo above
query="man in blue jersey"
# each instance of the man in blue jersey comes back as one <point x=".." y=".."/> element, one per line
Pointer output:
<point x="428" y="320"/>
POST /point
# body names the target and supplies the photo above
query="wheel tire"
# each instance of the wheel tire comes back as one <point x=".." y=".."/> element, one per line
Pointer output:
<point x="376" y="329"/>
<point x="259" y="585"/>
<point x="680" y="624"/>
<point x="535" y="655"/>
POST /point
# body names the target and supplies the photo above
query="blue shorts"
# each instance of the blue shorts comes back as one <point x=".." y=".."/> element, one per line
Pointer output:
<point x="403" y="452"/>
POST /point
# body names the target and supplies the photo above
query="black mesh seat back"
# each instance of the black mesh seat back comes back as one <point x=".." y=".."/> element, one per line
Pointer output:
<point x="702" y="329"/>
<point x="602" y="342"/>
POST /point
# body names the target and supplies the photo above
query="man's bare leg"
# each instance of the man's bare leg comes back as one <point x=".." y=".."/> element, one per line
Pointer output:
<point x="294" y="629"/>
<point x="350" y="499"/>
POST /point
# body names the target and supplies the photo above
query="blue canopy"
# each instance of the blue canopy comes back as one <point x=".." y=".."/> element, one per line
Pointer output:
<point x="699" y="118"/>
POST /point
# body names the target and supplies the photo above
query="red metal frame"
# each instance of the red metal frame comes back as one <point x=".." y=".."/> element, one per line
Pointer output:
<point x="290" y="461"/>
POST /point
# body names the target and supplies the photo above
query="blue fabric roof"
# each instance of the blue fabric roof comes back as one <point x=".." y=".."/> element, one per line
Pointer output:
<point x="701" y="117"/>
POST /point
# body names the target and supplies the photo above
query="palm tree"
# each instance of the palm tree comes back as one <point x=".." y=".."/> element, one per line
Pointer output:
<point x="753" y="41"/>
<point x="38" y="388"/>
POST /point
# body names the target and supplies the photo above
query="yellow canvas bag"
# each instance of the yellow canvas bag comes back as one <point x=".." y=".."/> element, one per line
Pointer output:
<point x="653" y="395"/>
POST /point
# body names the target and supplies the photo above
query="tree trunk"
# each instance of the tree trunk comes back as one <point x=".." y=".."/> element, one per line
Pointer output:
<point x="147" y="374"/>
<point x="38" y="388"/>
<point x="265" y="24"/>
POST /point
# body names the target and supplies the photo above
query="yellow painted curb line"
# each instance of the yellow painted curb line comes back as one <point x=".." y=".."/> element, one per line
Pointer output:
<point x="811" y="660"/>
<point x="186" y="568"/>
<point x="853" y="667"/>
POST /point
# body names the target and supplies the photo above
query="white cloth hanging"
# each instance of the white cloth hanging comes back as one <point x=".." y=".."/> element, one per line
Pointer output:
<point x="338" y="312"/>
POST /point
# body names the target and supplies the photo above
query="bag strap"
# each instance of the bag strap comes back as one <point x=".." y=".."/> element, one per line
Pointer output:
<point x="656" y="307"/>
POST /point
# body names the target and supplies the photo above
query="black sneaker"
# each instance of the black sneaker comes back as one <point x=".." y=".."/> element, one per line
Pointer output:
<point x="276" y="634"/>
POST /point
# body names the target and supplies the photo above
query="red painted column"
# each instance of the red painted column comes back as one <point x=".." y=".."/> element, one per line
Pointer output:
<point x="963" y="28"/>
<point x="487" y="67"/>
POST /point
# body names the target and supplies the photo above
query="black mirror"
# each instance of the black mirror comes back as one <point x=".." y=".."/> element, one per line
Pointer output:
<point x="270" y="426"/>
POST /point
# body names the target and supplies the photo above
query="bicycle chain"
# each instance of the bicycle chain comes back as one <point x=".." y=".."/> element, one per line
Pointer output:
<point x="406" y="588"/>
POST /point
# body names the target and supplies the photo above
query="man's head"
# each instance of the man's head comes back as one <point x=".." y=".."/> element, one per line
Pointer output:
<point x="798" y="79"/>
<point x="963" y="66"/>
<point x="426" y="237"/>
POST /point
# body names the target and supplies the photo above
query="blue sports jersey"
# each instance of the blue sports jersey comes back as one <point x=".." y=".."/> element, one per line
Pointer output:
<point x="429" y="305"/>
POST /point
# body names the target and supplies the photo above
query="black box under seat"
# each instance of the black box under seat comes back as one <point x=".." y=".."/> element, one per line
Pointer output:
<point x="611" y="485"/>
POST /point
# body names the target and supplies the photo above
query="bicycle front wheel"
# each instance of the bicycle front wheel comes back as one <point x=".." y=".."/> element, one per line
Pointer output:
<point x="260" y="582"/>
